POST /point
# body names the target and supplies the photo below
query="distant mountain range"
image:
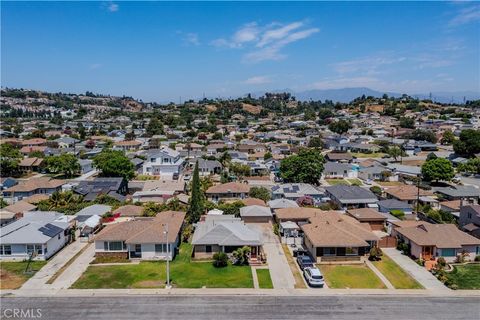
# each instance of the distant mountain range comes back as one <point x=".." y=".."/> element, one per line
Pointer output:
<point x="348" y="94"/>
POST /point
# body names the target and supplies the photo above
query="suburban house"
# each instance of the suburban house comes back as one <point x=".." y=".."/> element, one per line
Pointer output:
<point x="468" y="194"/>
<point x="372" y="217"/>
<point x="299" y="215"/>
<point x="388" y="205"/>
<point x="333" y="237"/>
<point x="41" y="233"/>
<point x="228" y="191"/>
<point x="255" y="214"/>
<point x="428" y="241"/>
<point x="224" y="233"/>
<point x="407" y="193"/>
<point x="27" y="188"/>
<point x="91" y="189"/>
<point x="163" y="162"/>
<point x="31" y="164"/>
<point x="129" y="210"/>
<point x="127" y="145"/>
<point x="144" y="238"/>
<point x="334" y="170"/>
<point x="158" y="190"/>
<point x="351" y="196"/>
<point x="294" y="191"/>
<point x="374" y="172"/>
<point x="339" y="157"/>
<point x="208" y="167"/>
<point x="469" y="220"/>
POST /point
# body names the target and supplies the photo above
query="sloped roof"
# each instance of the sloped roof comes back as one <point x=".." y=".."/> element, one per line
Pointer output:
<point x="230" y="187"/>
<point x="225" y="231"/>
<point x="439" y="235"/>
<point x="255" y="211"/>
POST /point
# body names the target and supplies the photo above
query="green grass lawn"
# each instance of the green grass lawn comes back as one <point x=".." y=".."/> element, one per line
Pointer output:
<point x="350" y="276"/>
<point x="368" y="155"/>
<point x="335" y="182"/>
<point x="355" y="182"/>
<point x="12" y="274"/>
<point x="184" y="273"/>
<point x="465" y="276"/>
<point x="396" y="275"/>
<point x="264" y="280"/>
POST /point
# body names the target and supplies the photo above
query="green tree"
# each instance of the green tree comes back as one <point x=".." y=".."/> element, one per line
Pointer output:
<point x="315" y="142"/>
<point x="471" y="166"/>
<point x="196" y="205"/>
<point x="241" y="255"/>
<point x="114" y="163"/>
<point x="232" y="208"/>
<point x="468" y="144"/>
<point x="260" y="193"/>
<point x="394" y="152"/>
<point x="438" y="169"/>
<point x="9" y="159"/>
<point x="154" y="127"/>
<point x="240" y="170"/>
<point x="422" y="135"/>
<point x="407" y="122"/>
<point x="340" y="126"/>
<point x="65" y="164"/>
<point x="306" y="166"/>
<point x="448" y="137"/>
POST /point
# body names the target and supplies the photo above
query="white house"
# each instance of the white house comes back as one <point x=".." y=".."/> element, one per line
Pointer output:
<point x="41" y="233"/>
<point x="164" y="162"/>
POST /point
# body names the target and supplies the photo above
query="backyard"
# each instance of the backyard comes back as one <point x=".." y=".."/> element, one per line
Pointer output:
<point x="396" y="275"/>
<point x="184" y="273"/>
<point x="12" y="274"/>
<point x="465" y="276"/>
<point x="350" y="276"/>
<point x="264" y="280"/>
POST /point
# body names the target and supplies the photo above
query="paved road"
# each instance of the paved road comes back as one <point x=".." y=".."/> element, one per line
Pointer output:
<point x="248" y="307"/>
<point x="425" y="278"/>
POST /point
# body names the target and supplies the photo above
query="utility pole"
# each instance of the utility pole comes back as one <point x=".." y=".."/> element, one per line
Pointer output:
<point x="168" y="286"/>
<point x="418" y="192"/>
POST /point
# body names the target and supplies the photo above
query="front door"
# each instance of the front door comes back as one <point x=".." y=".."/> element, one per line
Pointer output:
<point x="138" y="251"/>
<point x="253" y="252"/>
<point x="427" y="252"/>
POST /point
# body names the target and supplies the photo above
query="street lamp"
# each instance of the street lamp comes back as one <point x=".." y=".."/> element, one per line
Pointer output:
<point x="165" y="232"/>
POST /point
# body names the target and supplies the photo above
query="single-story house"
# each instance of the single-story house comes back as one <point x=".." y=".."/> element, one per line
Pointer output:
<point x="129" y="210"/>
<point x="428" y="241"/>
<point x="252" y="214"/>
<point x="282" y="203"/>
<point x="351" y="196"/>
<point x="40" y="233"/>
<point x="224" y="233"/>
<point x="407" y="193"/>
<point x="388" y="205"/>
<point x="372" y="217"/>
<point x="228" y="191"/>
<point x="27" y="188"/>
<point x="331" y="237"/>
<point x="144" y="238"/>
<point x="294" y="191"/>
<point x="334" y="170"/>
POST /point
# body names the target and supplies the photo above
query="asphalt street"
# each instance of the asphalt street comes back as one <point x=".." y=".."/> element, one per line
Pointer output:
<point x="243" y="307"/>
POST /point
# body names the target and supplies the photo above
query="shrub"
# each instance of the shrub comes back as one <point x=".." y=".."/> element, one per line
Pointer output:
<point x="398" y="214"/>
<point x="377" y="190"/>
<point x="276" y="230"/>
<point x="375" y="254"/>
<point x="441" y="263"/>
<point x="220" y="260"/>
<point x="477" y="258"/>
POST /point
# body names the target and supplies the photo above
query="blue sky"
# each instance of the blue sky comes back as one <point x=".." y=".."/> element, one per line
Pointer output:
<point x="159" y="51"/>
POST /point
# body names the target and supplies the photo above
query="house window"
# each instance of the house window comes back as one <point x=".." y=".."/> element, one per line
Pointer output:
<point x="160" y="248"/>
<point x="351" y="251"/>
<point x="330" y="251"/>
<point x="31" y="248"/>
<point x="450" y="252"/>
<point x="477" y="251"/>
<point x="105" y="246"/>
<point x="6" y="250"/>
<point x="208" y="249"/>
<point x="115" y="246"/>
<point x="469" y="215"/>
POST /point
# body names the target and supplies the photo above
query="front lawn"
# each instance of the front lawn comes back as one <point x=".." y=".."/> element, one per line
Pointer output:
<point x="334" y="182"/>
<point x="12" y="274"/>
<point x="396" y="275"/>
<point x="264" y="280"/>
<point x="355" y="182"/>
<point x="465" y="276"/>
<point x="184" y="273"/>
<point x="350" y="276"/>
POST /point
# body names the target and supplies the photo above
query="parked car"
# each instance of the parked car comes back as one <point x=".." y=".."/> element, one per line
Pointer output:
<point x="299" y="252"/>
<point x="304" y="261"/>
<point x="186" y="177"/>
<point x="314" y="277"/>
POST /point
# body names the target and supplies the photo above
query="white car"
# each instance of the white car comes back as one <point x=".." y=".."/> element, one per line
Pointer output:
<point x="314" y="277"/>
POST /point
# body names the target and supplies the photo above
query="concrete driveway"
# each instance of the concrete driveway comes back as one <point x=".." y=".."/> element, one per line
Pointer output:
<point x="280" y="273"/>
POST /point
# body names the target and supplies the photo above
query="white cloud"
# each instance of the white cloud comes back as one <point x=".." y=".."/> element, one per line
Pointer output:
<point x="346" y="82"/>
<point x="112" y="7"/>
<point x="465" y="16"/>
<point x="368" y="65"/>
<point x="258" y="80"/>
<point x="265" y="42"/>
<point x="191" y="39"/>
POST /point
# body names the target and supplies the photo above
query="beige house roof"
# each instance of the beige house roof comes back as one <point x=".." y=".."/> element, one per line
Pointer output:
<point x="36" y="183"/>
<point x="366" y="214"/>
<point x="20" y="207"/>
<point x="129" y="210"/>
<point x="230" y="187"/>
<point x="407" y="192"/>
<point x="148" y="230"/>
<point x="297" y="213"/>
<point x="253" y="202"/>
<point x="29" y="162"/>
<point x="438" y="235"/>
<point x="336" y="230"/>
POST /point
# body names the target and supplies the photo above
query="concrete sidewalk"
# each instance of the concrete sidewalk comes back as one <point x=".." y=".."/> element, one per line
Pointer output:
<point x="75" y="270"/>
<point x="39" y="280"/>
<point x="425" y="278"/>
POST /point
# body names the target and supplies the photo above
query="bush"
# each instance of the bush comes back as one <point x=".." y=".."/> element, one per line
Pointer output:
<point x="477" y="258"/>
<point x="375" y="254"/>
<point x="376" y="190"/>
<point x="441" y="263"/>
<point x="398" y="214"/>
<point x="276" y="229"/>
<point x="220" y="260"/>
